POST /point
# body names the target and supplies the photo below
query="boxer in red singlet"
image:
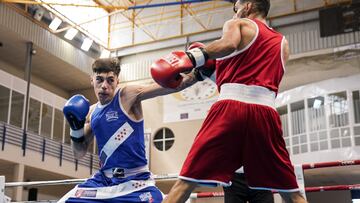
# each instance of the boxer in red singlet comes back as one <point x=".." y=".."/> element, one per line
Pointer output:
<point x="243" y="127"/>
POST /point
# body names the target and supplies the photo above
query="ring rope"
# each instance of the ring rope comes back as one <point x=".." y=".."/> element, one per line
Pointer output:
<point x="307" y="189"/>
<point x="173" y="176"/>
<point x="221" y="194"/>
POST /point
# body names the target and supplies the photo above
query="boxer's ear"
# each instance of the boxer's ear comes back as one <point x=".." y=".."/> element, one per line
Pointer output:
<point x="92" y="79"/>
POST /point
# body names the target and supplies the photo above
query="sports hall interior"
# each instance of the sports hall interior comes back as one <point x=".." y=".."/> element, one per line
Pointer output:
<point x="42" y="64"/>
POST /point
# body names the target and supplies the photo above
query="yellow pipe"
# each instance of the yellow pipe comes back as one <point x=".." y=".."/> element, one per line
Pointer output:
<point x="108" y="34"/>
<point x="132" y="27"/>
<point x="181" y="17"/>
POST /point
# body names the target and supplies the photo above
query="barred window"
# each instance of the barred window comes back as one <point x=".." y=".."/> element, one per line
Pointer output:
<point x="4" y="103"/>
<point x="164" y="139"/>
<point x="17" y="105"/>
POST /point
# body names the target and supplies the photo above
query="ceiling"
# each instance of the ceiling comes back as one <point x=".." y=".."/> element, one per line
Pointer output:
<point x="135" y="22"/>
<point x="45" y="66"/>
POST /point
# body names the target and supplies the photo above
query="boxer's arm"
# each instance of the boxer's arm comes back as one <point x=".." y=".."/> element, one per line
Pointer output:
<point x="286" y="51"/>
<point x="138" y="93"/>
<point x="80" y="148"/>
<point x="228" y="43"/>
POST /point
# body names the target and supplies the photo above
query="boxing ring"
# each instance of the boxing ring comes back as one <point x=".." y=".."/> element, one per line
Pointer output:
<point x="199" y="195"/>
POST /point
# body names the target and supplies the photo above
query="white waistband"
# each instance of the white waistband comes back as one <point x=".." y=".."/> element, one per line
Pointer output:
<point x="247" y="93"/>
<point x="108" y="192"/>
<point x="125" y="172"/>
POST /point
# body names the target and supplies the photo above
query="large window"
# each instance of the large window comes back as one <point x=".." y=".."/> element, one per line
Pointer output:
<point x="339" y="120"/>
<point x="338" y="107"/>
<point x="67" y="133"/>
<point x="357" y="135"/>
<point x="34" y="116"/>
<point x="299" y="139"/>
<point x="298" y="117"/>
<point x="316" y="114"/>
<point x="17" y="105"/>
<point x="4" y="103"/>
<point x="46" y="120"/>
<point x="58" y="125"/>
<point x="356" y="102"/>
<point x="317" y="124"/>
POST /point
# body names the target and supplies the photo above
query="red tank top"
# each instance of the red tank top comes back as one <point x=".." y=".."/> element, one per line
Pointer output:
<point x="260" y="63"/>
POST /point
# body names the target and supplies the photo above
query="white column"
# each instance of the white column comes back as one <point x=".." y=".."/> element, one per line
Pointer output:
<point x="2" y="188"/>
<point x="18" y="177"/>
<point x="351" y="115"/>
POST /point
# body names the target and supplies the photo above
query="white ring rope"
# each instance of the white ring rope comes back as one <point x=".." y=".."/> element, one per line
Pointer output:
<point x="45" y="183"/>
<point x="174" y="176"/>
<point x="75" y="181"/>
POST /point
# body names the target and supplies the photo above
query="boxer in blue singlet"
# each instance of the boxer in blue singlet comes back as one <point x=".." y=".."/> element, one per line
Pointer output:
<point x="116" y="121"/>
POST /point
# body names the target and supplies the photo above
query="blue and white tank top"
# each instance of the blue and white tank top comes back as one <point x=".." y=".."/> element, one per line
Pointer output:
<point x="120" y="139"/>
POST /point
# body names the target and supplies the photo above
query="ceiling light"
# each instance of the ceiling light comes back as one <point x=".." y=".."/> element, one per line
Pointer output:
<point x="39" y="13"/>
<point x="317" y="103"/>
<point x="55" y="23"/>
<point x="86" y="44"/>
<point x="70" y="34"/>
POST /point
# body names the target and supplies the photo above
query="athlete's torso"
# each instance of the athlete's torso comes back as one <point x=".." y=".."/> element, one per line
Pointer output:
<point x="120" y="139"/>
<point x="259" y="63"/>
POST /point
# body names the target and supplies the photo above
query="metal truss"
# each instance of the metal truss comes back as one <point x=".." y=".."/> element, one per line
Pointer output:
<point x="128" y="14"/>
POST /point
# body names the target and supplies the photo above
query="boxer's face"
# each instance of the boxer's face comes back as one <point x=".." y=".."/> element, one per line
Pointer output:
<point x="104" y="86"/>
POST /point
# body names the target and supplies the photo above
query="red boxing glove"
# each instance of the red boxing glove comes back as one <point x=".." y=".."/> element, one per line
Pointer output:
<point x="207" y="69"/>
<point x="196" y="45"/>
<point x="166" y="71"/>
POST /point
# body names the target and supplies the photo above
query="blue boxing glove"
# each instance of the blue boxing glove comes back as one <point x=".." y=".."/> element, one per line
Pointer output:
<point x="75" y="112"/>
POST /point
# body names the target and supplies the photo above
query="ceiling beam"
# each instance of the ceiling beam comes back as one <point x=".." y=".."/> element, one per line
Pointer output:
<point x="107" y="9"/>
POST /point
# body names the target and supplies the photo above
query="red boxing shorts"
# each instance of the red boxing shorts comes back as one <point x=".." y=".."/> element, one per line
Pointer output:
<point x="236" y="134"/>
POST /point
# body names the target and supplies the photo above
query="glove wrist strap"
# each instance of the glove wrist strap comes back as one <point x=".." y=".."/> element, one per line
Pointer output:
<point x="77" y="135"/>
<point x="199" y="56"/>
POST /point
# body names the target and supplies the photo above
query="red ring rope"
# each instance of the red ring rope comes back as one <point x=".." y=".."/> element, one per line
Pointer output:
<point x="307" y="189"/>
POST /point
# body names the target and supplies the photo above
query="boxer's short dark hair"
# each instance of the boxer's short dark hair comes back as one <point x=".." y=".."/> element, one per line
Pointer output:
<point x="261" y="6"/>
<point x="106" y="65"/>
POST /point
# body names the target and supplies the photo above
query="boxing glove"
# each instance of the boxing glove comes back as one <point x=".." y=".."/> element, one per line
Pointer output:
<point x="197" y="55"/>
<point x="166" y="71"/>
<point x="75" y="111"/>
<point x="208" y="69"/>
